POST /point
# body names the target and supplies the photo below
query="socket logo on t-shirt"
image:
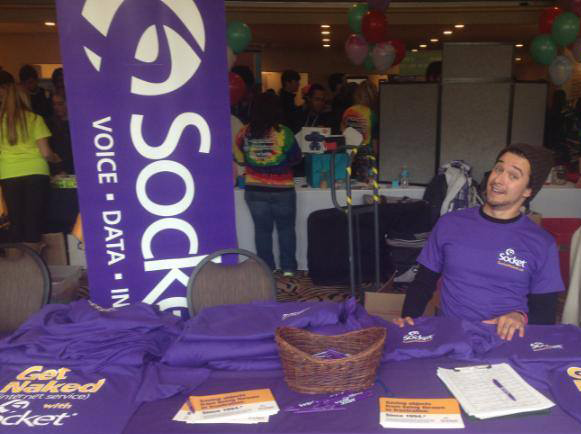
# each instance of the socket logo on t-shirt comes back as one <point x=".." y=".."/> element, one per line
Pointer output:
<point x="416" y="336"/>
<point x="575" y="373"/>
<point x="540" y="346"/>
<point x="509" y="259"/>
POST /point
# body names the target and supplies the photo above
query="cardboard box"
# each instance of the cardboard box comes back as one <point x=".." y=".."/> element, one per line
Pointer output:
<point x="388" y="305"/>
<point x="76" y="250"/>
<point x="536" y="217"/>
<point x="55" y="251"/>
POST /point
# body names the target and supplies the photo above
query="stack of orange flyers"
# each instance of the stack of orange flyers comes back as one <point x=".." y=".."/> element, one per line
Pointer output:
<point x="247" y="407"/>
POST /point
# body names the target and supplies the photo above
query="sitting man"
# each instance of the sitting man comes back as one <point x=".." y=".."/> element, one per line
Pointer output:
<point x="492" y="259"/>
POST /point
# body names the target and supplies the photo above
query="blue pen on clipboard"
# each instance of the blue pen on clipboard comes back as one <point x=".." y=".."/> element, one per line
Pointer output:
<point x="501" y="387"/>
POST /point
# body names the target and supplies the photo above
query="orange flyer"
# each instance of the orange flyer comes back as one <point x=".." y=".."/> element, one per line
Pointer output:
<point x="419" y="413"/>
<point x="258" y="402"/>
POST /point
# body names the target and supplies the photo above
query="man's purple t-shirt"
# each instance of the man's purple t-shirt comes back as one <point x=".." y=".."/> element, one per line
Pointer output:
<point x="488" y="268"/>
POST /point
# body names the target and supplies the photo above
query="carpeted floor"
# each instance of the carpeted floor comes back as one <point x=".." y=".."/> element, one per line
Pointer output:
<point x="301" y="288"/>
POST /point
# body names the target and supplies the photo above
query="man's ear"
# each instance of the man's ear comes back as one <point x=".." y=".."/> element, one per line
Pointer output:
<point x="527" y="193"/>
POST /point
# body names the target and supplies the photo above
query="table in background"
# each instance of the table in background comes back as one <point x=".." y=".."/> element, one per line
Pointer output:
<point x="308" y="200"/>
<point x="551" y="201"/>
<point x="408" y="379"/>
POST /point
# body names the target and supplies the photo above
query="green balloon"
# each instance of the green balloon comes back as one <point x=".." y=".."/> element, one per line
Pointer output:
<point x="239" y="36"/>
<point x="368" y="64"/>
<point x="356" y="15"/>
<point x="565" y="28"/>
<point x="543" y="49"/>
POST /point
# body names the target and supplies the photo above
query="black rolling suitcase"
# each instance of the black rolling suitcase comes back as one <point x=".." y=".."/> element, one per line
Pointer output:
<point x="328" y="249"/>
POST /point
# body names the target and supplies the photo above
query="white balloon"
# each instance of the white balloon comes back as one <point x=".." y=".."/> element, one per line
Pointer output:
<point x="560" y="70"/>
<point x="231" y="57"/>
<point x="383" y="56"/>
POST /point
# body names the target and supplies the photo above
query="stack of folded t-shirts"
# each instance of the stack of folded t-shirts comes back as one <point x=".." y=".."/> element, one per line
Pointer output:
<point x="241" y="337"/>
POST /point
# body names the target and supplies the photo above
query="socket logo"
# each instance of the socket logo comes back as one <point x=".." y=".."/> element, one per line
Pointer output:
<point x="539" y="346"/>
<point x="15" y="412"/>
<point x="415" y="336"/>
<point x="184" y="59"/>
<point x="509" y="259"/>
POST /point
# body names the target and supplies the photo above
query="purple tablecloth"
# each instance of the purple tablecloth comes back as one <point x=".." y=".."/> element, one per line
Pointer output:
<point x="406" y="379"/>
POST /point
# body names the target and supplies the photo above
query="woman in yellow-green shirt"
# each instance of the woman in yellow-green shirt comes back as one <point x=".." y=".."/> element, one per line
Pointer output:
<point x="24" y="172"/>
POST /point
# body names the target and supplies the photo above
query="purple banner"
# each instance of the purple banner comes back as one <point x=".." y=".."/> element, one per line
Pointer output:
<point x="146" y="84"/>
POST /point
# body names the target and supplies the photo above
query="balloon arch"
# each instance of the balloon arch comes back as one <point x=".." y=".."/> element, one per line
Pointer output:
<point x="559" y="27"/>
<point x="369" y="45"/>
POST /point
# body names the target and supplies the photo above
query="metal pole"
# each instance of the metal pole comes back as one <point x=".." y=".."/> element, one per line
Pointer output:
<point x="348" y="209"/>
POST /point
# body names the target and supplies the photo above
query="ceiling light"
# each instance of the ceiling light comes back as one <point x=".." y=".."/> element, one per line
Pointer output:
<point x="325" y="32"/>
<point x="414" y="50"/>
<point x="447" y="32"/>
<point x="518" y="59"/>
<point x="459" y="26"/>
<point x="325" y="26"/>
<point x="326" y="45"/>
<point x="519" y="45"/>
<point x="434" y="40"/>
<point x="326" y="40"/>
<point x="50" y="23"/>
<point x="423" y="45"/>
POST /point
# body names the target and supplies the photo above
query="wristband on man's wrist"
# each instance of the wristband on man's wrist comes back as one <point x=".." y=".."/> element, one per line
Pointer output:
<point x="525" y="316"/>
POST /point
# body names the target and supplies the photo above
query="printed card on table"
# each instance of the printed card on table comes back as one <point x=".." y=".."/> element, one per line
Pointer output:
<point x="419" y="413"/>
<point x="234" y="405"/>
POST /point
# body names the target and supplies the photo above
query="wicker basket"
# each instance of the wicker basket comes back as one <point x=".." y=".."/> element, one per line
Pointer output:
<point x="307" y="374"/>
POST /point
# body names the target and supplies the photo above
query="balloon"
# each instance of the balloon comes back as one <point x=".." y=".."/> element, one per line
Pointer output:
<point x="356" y="49"/>
<point x="547" y="18"/>
<point x="399" y="50"/>
<point x="237" y="88"/>
<point x="576" y="50"/>
<point x="368" y="64"/>
<point x="575" y="7"/>
<point x="565" y="28"/>
<point x="355" y="16"/>
<point x="383" y="55"/>
<point x="378" y="5"/>
<point x="560" y="70"/>
<point x="543" y="49"/>
<point x="230" y="56"/>
<point x="239" y="36"/>
<point x="374" y="26"/>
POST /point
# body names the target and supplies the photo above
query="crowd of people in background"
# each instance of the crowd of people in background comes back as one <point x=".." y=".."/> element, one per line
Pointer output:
<point x="34" y="144"/>
<point x="266" y="148"/>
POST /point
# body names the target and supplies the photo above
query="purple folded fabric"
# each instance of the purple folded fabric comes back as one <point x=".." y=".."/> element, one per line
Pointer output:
<point x="160" y="381"/>
<point x="565" y="384"/>
<point x="241" y="337"/>
<point x="540" y="344"/>
<point x="434" y="337"/>
<point x="103" y="404"/>
<point x="79" y="334"/>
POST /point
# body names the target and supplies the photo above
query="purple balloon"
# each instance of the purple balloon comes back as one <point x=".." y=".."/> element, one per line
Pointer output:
<point x="378" y="5"/>
<point x="356" y="48"/>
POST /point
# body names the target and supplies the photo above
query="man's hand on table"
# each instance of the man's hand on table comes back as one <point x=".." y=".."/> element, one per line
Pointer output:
<point x="508" y="324"/>
<point x="403" y="321"/>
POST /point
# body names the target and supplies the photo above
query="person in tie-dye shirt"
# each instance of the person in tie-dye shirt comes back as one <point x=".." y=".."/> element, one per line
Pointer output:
<point x="268" y="150"/>
<point x="363" y="118"/>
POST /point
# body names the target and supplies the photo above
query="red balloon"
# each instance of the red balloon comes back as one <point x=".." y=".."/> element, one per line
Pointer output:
<point x="374" y="26"/>
<point x="575" y="7"/>
<point x="399" y="50"/>
<point x="237" y="88"/>
<point x="547" y="17"/>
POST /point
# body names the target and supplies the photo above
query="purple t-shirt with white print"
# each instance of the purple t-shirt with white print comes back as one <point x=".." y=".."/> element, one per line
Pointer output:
<point x="488" y="268"/>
